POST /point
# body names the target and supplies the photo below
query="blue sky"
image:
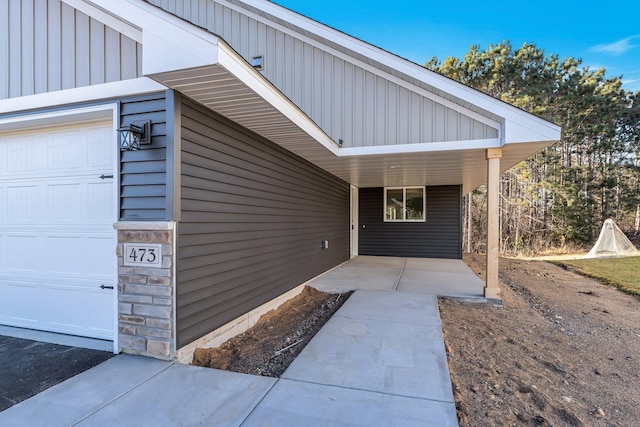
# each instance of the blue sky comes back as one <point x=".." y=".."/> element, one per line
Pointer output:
<point x="603" y="35"/>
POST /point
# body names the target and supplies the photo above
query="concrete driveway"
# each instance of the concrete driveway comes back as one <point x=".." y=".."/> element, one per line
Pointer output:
<point x="29" y="366"/>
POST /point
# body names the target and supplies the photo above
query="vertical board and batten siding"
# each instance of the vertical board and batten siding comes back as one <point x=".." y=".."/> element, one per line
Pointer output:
<point x="440" y="236"/>
<point x="46" y="45"/>
<point x="143" y="173"/>
<point x="253" y="220"/>
<point x="347" y="100"/>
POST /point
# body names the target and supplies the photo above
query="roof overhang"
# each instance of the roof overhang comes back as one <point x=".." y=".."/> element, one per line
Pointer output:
<point x="205" y="68"/>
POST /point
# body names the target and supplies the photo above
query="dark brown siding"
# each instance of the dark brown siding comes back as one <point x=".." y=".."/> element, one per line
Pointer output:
<point x="439" y="237"/>
<point x="253" y="220"/>
<point x="143" y="173"/>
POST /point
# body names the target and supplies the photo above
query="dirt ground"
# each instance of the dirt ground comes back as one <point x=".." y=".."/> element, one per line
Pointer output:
<point x="563" y="351"/>
<point x="269" y="347"/>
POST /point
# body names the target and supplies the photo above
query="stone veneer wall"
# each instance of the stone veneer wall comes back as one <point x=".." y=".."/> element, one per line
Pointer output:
<point x="146" y="310"/>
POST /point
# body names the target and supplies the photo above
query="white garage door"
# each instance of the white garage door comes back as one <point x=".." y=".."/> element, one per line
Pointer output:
<point x="57" y="242"/>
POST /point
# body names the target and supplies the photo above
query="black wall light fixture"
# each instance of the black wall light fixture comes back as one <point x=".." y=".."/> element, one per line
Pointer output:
<point x="134" y="135"/>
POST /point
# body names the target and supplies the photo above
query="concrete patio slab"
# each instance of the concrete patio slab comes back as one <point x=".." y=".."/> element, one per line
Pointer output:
<point x="393" y="357"/>
<point x="188" y="396"/>
<point x="71" y="401"/>
<point x="292" y="403"/>
<point x="436" y="264"/>
<point x="441" y="283"/>
<point x="441" y="277"/>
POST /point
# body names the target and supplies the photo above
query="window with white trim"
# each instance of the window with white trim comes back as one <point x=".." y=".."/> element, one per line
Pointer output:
<point x="404" y="204"/>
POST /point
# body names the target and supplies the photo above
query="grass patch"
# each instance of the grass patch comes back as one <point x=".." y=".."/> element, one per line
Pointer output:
<point x="623" y="273"/>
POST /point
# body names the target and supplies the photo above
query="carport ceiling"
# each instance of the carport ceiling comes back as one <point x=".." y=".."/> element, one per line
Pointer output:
<point x="228" y="94"/>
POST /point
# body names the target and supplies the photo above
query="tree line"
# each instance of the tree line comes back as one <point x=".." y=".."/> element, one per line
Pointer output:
<point x="560" y="196"/>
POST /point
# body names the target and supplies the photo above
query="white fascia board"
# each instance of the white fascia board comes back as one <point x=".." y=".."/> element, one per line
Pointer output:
<point x="428" y="147"/>
<point x="165" y="51"/>
<point x="447" y="85"/>
<point x="108" y="19"/>
<point x="522" y="131"/>
<point x="82" y="94"/>
<point x="236" y="65"/>
<point x="169" y="43"/>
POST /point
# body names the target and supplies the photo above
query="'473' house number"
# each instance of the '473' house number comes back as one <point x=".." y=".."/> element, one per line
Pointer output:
<point x="137" y="255"/>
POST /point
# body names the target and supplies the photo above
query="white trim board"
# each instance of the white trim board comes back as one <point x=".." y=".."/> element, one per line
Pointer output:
<point x="82" y="94"/>
<point x="108" y="19"/>
<point x="473" y="144"/>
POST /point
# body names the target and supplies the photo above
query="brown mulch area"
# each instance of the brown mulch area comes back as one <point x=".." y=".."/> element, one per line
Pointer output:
<point x="563" y="351"/>
<point x="269" y="347"/>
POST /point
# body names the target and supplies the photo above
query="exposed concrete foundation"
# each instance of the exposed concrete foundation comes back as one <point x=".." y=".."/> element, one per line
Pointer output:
<point x="233" y="328"/>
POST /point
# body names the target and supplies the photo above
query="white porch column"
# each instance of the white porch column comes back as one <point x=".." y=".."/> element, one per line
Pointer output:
<point x="491" y="289"/>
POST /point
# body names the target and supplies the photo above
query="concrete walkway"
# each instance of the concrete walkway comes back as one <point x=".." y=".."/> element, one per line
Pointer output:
<point x="379" y="361"/>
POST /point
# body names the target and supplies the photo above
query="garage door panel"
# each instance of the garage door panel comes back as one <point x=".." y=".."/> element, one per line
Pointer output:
<point x="17" y="301"/>
<point x="65" y="202"/>
<point x="57" y="153"/>
<point x="53" y="202"/>
<point x="96" y="248"/>
<point x="66" y="152"/>
<point x="3" y="202"/>
<point x="72" y="281"/>
<point x="67" y="312"/>
<point x="21" y="200"/>
<point x="98" y="323"/>
<point x="22" y="252"/>
<point x="3" y="253"/>
<point x="57" y="243"/>
<point x="100" y="202"/>
<point x="79" y="254"/>
<point x="72" y="311"/>
<point x="4" y="159"/>
<point x="60" y="308"/>
<point x="24" y="154"/>
<point x="64" y="254"/>
<point x="101" y="155"/>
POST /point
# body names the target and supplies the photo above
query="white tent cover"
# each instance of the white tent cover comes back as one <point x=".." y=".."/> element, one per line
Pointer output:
<point x="612" y="242"/>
